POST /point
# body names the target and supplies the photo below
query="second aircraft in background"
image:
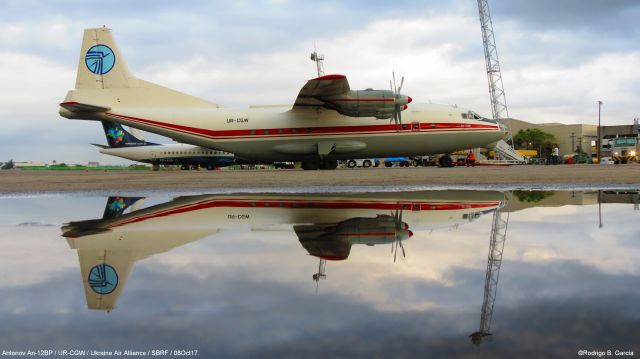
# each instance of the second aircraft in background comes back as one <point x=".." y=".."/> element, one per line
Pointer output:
<point x="134" y="147"/>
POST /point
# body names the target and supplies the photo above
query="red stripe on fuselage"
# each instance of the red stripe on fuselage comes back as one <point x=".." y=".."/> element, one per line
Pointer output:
<point x="247" y="203"/>
<point x="309" y="131"/>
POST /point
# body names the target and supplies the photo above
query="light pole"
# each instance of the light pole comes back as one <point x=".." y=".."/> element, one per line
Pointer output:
<point x="599" y="148"/>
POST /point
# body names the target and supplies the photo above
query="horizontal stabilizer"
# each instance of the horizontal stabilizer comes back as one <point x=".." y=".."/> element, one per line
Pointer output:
<point x="100" y="146"/>
<point x="77" y="107"/>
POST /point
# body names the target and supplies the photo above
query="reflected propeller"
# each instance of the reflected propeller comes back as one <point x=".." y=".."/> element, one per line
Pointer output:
<point x="402" y="232"/>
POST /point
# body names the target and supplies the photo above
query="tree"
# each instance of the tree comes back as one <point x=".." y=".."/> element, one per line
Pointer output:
<point x="532" y="196"/>
<point x="532" y="139"/>
<point x="9" y="165"/>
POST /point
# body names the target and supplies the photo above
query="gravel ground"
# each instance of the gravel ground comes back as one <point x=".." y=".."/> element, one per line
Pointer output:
<point x="566" y="176"/>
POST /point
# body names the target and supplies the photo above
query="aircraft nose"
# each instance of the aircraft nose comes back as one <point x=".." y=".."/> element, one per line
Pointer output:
<point x="504" y="129"/>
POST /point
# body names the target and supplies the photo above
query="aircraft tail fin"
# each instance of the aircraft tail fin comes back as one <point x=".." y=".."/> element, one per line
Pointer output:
<point x="116" y="206"/>
<point x="101" y="66"/>
<point x="118" y="137"/>
<point x="104" y="274"/>
<point x="104" y="83"/>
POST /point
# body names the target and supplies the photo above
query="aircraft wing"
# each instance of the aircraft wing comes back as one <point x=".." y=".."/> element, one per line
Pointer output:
<point x="315" y="90"/>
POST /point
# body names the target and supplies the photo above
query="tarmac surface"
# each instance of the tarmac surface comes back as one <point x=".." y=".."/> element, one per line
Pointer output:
<point x="536" y="176"/>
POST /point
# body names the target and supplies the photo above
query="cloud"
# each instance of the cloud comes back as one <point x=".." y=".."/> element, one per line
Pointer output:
<point x="557" y="61"/>
<point x="610" y="17"/>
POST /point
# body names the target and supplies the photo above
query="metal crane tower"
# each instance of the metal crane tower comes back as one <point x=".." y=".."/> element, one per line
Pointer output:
<point x="496" y="88"/>
<point x="494" y="76"/>
<point x="494" y="262"/>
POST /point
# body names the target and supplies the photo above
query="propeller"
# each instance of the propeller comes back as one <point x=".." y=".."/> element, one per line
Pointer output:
<point x="400" y="101"/>
<point x="400" y="229"/>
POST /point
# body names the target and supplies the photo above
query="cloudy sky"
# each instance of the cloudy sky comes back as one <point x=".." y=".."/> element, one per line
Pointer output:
<point x="558" y="57"/>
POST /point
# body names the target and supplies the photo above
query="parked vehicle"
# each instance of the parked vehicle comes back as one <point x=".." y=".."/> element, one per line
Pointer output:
<point x="363" y="162"/>
<point x="397" y="161"/>
<point x="623" y="149"/>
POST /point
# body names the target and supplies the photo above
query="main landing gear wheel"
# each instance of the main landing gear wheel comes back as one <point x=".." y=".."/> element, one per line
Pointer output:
<point x="445" y="161"/>
<point x="326" y="164"/>
<point x="311" y="164"/>
<point x="329" y="164"/>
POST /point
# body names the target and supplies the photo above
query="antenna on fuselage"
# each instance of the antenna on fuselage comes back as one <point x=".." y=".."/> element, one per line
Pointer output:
<point x="321" y="273"/>
<point x="318" y="59"/>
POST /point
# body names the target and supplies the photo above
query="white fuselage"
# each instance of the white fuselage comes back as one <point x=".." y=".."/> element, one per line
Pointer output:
<point x="161" y="153"/>
<point x="279" y="134"/>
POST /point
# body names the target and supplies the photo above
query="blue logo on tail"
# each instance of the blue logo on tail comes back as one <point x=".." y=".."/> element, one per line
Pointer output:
<point x="100" y="59"/>
<point x="103" y="279"/>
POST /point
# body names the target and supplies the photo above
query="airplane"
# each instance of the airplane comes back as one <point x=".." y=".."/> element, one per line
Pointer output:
<point x="327" y="122"/>
<point x="108" y="247"/>
<point x="134" y="147"/>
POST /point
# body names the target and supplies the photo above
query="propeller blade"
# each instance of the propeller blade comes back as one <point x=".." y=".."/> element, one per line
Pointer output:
<point x="402" y="247"/>
<point x="400" y="88"/>
<point x="396" y="252"/>
<point x="395" y="88"/>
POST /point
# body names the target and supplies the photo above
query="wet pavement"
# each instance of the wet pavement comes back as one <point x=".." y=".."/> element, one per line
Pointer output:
<point x="368" y="274"/>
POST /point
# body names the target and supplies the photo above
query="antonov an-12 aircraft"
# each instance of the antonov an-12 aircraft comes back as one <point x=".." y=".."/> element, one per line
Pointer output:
<point x="327" y="225"/>
<point x="327" y="122"/>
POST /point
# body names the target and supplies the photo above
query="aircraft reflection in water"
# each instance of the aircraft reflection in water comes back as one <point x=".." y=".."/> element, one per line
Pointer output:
<point x="327" y="226"/>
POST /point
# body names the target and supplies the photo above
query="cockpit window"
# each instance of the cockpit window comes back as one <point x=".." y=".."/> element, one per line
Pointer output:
<point x="474" y="116"/>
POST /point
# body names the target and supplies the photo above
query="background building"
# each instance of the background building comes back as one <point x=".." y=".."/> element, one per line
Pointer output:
<point x="567" y="137"/>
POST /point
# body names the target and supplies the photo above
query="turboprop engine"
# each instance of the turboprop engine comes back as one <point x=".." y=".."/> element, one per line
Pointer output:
<point x="381" y="104"/>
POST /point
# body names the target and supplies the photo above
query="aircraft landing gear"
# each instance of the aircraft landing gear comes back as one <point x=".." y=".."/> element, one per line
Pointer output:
<point x="311" y="164"/>
<point x="445" y="161"/>
<point x="156" y="167"/>
<point x="329" y="164"/>
<point x="318" y="164"/>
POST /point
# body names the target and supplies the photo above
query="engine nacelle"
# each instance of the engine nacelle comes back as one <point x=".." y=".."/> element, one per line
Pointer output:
<point x="368" y="103"/>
